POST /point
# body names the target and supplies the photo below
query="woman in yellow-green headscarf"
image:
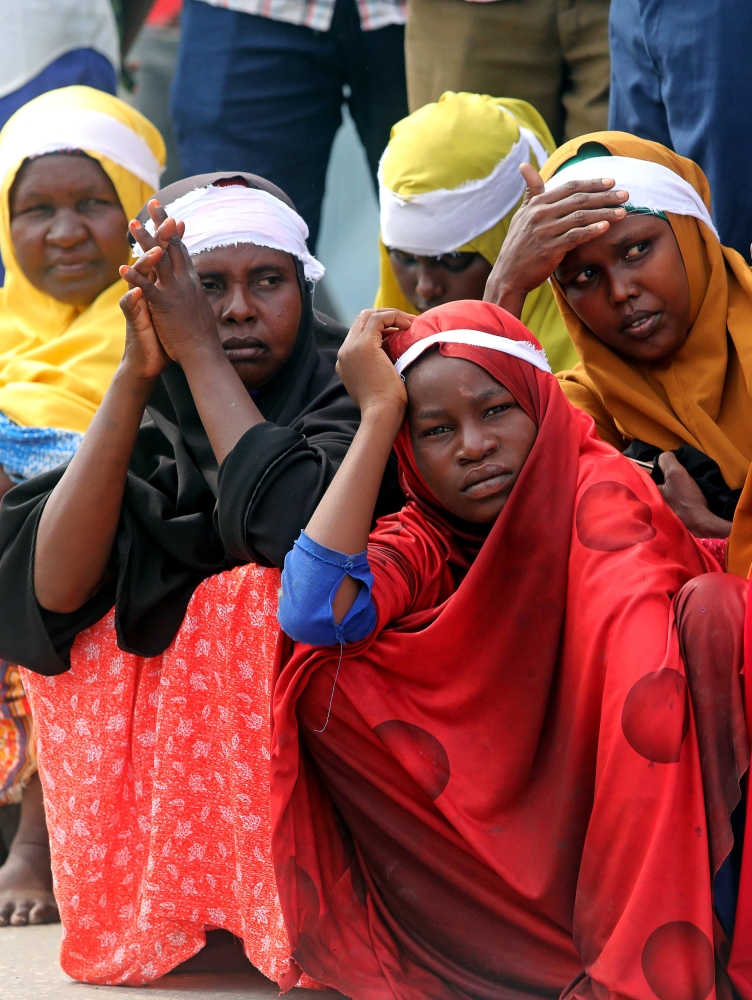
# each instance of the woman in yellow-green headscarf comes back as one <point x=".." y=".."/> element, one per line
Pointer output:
<point x="449" y="184"/>
<point x="75" y="164"/>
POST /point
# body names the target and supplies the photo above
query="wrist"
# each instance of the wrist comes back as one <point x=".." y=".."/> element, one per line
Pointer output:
<point x="503" y="294"/>
<point x="383" y="415"/>
<point x="129" y="376"/>
<point x="709" y="525"/>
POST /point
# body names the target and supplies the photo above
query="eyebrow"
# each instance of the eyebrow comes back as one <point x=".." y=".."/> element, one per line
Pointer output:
<point x="254" y="270"/>
<point x="481" y="397"/>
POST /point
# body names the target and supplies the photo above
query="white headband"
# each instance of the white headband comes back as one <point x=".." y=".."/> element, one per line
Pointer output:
<point x="225" y="216"/>
<point x="49" y="131"/>
<point x="437" y="222"/>
<point x="650" y="185"/>
<point x="521" y="349"/>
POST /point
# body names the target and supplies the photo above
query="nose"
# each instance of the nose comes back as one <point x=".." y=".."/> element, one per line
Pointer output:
<point x="238" y="306"/>
<point x="429" y="285"/>
<point x="67" y="229"/>
<point x="475" y="443"/>
<point x="621" y="286"/>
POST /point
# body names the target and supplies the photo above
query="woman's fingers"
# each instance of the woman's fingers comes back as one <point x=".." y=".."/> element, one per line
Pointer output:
<point x="141" y="235"/>
<point x="583" y="194"/>
<point x="145" y="263"/>
<point x="533" y="181"/>
<point x="156" y="213"/>
<point x="137" y="280"/>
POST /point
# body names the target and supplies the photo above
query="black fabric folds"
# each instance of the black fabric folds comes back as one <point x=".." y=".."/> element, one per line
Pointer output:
<point x="184" y="519"/>
<point x="722" y="500"/>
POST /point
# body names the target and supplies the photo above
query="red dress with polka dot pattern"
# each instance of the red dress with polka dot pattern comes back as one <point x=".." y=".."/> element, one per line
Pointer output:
<point x="498" y="794"/>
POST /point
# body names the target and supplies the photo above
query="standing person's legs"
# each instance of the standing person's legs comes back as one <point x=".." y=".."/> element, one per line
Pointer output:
<point x="375" y="62"/>
<point x="636" y="102"/>
<point x="258" y="95"/>
<point x="508" y="48"/>
<point x="700" y="51"/>
<point x="583" y="27"/>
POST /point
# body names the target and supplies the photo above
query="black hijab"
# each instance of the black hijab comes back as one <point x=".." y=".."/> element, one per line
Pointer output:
<point x="183" y="518"/>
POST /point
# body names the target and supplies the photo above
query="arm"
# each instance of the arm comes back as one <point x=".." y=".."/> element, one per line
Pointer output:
<point x="342" y="520"/>
<point x="544" y="229"/>
<point x="187" y="330"/>
<point x="80" y="520"/>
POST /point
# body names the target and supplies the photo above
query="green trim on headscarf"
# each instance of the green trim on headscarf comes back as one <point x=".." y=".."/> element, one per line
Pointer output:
<point x="589" y="150"/>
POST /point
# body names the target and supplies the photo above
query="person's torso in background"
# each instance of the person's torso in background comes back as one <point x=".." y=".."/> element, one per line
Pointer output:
<point x="36" y="32"/>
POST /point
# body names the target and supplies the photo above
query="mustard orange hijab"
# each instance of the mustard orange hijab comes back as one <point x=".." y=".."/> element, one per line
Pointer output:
<point x="702" y="396"/>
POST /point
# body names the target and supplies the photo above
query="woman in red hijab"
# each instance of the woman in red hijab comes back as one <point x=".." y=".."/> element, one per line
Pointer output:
<point x="486" y="777"/>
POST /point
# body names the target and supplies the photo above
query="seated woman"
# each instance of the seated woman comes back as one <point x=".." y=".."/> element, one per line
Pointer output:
<point x="74" y="165"/>
<point x="511" y="811"/>
<point x="659" y="312"/>
<point x="449" y="185"/>
<point x="153" y="748"/>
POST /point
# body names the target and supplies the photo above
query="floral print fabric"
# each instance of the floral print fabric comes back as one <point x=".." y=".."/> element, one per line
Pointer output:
<point x="156" y="779"/>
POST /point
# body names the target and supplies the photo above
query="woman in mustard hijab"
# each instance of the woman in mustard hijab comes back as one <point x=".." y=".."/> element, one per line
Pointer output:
<point x="75" y="165"/>
<point x="449" y="185"/>
<point x="660" y="314"/>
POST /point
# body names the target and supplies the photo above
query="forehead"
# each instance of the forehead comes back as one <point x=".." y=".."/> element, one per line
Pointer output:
<point x="243" y="257"/>
<point x="58" y="175"/>
<point x="439" y="378"/>
<point x="619" y="237"/>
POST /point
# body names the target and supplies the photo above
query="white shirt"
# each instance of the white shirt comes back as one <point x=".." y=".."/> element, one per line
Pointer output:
<point x="34" y="33"/>
<point x="317" y="14"/>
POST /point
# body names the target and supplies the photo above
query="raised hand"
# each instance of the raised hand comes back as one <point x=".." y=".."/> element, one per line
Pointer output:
<point x="180" y="311"/>
<point x="546" y="226"/>
<point x="365" y="370"/>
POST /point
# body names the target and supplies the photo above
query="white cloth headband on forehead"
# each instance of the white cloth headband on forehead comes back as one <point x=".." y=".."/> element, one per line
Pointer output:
<point x="225" y="216"/>
<point x="48" y="131"/>
<point x="650" y="185"/>
<point x="521" y="349"/>
<point x="437" y="222"/>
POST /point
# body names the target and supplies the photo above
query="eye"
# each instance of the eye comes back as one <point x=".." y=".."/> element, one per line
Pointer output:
<point x="38" y="210"/>
<point x="436" y="431"/>
<point x="494" y="411"/>
<point x="585" y="275"/>
<point x="88" y="205"/>
<point x="456" y="262"/>
<point x="637" y="250"/>
<point x="269" y="281"/>
<point x="406" y="259"/>
<point x="210" y="284"/>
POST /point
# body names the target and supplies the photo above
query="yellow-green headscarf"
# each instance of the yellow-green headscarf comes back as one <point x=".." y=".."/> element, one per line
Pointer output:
<point x="459" y="139"/>
<point x="57" y="360"/>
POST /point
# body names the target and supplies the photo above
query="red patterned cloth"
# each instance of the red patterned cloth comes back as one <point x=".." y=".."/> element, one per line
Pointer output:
<point x="156" y="780"/>
<point x="498" y="794"/>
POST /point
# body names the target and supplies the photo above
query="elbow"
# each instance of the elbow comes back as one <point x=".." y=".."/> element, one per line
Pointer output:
<point x="53" y="595"/>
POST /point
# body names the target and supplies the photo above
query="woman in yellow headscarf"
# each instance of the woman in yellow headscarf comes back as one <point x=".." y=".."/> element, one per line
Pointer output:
<point x="63" y="234"/>
<point x="449" y="185"/>
<point x="75" y="165"/>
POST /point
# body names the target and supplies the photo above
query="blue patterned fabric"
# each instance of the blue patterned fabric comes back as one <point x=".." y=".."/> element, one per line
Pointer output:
<point x="28" y="451"/>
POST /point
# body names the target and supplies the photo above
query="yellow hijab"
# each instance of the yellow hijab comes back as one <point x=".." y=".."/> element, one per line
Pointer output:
<point x="461" y="138"/>
<point x="702" y="395"/>
<point x="56" y="360"/>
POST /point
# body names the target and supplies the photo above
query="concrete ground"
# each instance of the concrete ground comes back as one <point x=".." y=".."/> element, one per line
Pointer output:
<point x="29" y="970"/>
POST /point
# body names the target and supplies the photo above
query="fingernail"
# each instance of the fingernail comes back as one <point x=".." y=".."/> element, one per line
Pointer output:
<point x="603" y="225"/>
<point x="622" y="194"/>
<point x="606" y="181"/>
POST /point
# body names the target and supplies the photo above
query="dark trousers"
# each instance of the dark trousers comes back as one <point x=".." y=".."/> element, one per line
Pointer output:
<point x="265" y="96"/>
<point x="681" y="75"/>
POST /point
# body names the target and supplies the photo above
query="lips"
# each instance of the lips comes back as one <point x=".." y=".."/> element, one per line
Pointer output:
<point x="486" y="481"/>
<point x="641" y="324"/>
<point x="72" y="266"/>
<point x="243" y="350"/>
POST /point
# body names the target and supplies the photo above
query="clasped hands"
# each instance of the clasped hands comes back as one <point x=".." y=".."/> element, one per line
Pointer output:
<point x="168" y="316"/>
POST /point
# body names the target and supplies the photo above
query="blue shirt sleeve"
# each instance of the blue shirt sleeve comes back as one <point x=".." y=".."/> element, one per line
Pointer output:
<point x="310" y="580"/>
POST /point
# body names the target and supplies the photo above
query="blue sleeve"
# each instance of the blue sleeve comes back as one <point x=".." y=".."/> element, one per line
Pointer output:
<point x="310" y="579"/>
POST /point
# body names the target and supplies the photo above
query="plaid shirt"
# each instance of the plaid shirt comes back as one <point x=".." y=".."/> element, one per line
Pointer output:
<point x="317" y="14"/>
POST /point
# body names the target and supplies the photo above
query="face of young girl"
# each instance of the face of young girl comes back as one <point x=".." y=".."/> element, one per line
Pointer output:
<point x="430" y="281"/>
<point x="256" y="299"/>
<point x="630" y="288"/>
<point x="69" y="231"/>
<point x="470" y="437"/>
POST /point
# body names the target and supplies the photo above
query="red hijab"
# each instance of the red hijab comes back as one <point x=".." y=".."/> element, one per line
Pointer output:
<point x="517" y="730"/>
